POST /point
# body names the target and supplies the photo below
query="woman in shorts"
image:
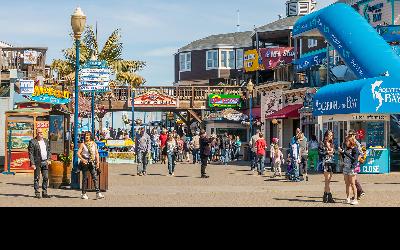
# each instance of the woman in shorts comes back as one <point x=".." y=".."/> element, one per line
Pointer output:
<point x="326" y="152"/>
<point x="350" y="159"/>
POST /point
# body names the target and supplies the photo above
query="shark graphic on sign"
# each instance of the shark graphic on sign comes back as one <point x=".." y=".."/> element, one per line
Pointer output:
<point x="376" y="94"/>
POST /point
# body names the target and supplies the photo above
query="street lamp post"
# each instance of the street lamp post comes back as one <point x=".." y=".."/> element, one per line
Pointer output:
<point x="250" y="88"/>
<point x="78" y="21"/>
<point x="133" y="113"/>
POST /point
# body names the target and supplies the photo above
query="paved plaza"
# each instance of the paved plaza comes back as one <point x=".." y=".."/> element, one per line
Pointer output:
<point x="231" y="186"/>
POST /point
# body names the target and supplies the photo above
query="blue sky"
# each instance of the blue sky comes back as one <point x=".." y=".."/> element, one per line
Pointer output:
<point x="152" y="30"/>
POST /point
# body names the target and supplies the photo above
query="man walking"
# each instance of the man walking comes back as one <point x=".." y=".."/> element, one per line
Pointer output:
<point x="303" y="143"/>
<point x="143" y="149"/>
<point x="295" y="159"/>
<point x="196" y="147"/>
<point x="205" y="151"/>
<point x="253" y="148"/>
<point x="226" y="149"/>
<point x="39" y="155"/>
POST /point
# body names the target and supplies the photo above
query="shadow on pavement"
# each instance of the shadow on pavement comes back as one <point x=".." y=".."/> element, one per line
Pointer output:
<point x="18" y="195"/>
<point x="20" y="184"/>
<point x="298" y="200"/>
<point x="390" y="183"/>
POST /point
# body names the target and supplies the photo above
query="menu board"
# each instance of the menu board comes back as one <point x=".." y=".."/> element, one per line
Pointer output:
<point x="21" y="134"/>
<point x="44" y="126"/>
<point x="375" y="134"/>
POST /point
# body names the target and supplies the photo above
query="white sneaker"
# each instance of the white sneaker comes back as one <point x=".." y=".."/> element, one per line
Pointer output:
<point x="354" y="202"/>
<point x="84" y="197"/>
<point x="99" y="196"/>
<point x="348" y="201"/>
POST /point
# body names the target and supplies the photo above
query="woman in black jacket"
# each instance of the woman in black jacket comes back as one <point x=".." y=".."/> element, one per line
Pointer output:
<point x="350" y="159"/>
<point x="326" y="151"/>
<point x="205" y="151"/>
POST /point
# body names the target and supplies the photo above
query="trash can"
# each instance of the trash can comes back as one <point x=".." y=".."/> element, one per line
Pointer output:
<point x="102" y="177"/>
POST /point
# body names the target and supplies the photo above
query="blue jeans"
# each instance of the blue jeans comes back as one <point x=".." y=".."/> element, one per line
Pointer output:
<point x="196" y="155"/>
<point x="225" y="156"/>
<point x="253" y="156"/>
<point x="143" y="162"/>
<point x="171" y="163"/>
<point x="260" y="164"/>
<point x="155" y="154"/>
<point x="296" y="170"/>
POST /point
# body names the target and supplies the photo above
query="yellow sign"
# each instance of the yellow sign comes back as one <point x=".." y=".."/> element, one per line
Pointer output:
<point x="252" y="61"/>
<point x="50" y="92"/>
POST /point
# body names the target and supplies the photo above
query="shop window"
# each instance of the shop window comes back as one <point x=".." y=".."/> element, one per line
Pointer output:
<point x="212" y="59"/>
<point x="5" y="88"/>
<point x="242" y="133"/>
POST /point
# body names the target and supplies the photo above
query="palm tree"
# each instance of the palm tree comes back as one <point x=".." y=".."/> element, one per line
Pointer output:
<point x="124" y="70"/>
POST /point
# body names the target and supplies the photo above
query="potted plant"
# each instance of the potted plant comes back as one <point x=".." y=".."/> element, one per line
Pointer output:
<point x="66" y="160"/>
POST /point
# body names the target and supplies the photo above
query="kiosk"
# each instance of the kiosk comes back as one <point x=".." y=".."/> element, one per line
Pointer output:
<point x="364" y="106"/>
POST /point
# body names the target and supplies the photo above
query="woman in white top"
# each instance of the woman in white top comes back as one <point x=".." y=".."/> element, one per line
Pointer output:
<point x="90" y="161"/>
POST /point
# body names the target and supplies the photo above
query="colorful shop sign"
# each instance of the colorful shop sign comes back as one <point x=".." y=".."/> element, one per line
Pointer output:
<point x="44" y="126"/>
<point x="94" y="77"/>
<point x="30" y="57"/>
<point x="27" y="87"/>
<point x="273" y="57"/>
<point x="252" y="61"/>
<point x="50" y="95"/>
<point x="224" y="101"/>
<point x="153" y="98"/>
<point x="377" y="162"/>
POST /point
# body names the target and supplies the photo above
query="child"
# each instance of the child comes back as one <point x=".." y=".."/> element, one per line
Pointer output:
<point x="277" y="160"/>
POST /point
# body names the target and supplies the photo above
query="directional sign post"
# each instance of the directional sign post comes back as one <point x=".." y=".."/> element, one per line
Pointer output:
<point x="94" y="77"/>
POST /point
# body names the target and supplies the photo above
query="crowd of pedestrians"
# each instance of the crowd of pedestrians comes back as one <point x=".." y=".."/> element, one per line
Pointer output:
<point x="168" y="147"/>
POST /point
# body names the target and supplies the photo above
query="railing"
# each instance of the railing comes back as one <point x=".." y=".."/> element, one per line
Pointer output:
<point x="189" y="94"/>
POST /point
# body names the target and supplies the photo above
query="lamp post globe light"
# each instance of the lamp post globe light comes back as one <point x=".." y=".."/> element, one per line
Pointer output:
<point x="78" y="22"/>
<point x="250" y="89"/>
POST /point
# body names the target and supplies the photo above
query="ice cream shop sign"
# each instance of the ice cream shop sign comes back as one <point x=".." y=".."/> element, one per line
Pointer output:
<point x="50" y="95"/>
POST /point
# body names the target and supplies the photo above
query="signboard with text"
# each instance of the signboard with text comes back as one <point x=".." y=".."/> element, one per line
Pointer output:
<point x="252" y="61"/>
<point x="273" y="57"/>
<point x="153" y="98"/>
<point x="27" y="87"/>
<point x="224" y="101"/>
<point x="94" y="77"/>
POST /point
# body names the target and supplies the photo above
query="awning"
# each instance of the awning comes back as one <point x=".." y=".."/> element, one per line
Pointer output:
<point x="380" y="95"/>
<point x="291" y="111"/>
<point x="256" y="112"/>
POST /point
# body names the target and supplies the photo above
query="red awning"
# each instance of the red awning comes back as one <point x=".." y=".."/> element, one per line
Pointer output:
<point x="256" y="112"/>
<point x="291" y="111"/>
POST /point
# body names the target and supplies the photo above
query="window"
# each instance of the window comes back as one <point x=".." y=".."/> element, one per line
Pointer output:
<point x="228" y="59"/>
<point x="239" y="59"/>
<point x="212" y="59"/>
<point x="5" y="88"/>
<point x="185" y="62"/>
<point x="312" y="43"/>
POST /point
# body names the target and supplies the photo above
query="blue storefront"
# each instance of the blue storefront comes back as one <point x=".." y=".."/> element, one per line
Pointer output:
<point x="364" y="106"/>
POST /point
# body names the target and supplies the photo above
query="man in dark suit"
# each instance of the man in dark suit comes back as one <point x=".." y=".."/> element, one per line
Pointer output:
<point x="39" y="155"/>
<point x="205" y="151"/>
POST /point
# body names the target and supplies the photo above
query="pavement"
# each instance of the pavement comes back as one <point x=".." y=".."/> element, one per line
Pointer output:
<point x="230" y="186"/>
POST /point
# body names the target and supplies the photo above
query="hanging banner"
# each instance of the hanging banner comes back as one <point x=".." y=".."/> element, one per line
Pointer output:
<point x="30" y="57"/>
<point x="390" y="33"/>
<point x="94" y="77"/>
<point x="273" y="57"/>
<point x="307" y="62"/>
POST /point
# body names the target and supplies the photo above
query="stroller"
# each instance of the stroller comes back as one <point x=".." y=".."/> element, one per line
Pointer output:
<point x="290" y="170"/>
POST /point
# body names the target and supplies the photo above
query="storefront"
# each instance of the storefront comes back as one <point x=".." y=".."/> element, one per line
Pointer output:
<point x="21" y="126"/>
<point x="364" y="106"/>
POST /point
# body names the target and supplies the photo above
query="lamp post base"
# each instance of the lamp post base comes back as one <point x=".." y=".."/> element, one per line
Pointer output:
<point x="8" y="173"/>
<point x="75" y="180"/>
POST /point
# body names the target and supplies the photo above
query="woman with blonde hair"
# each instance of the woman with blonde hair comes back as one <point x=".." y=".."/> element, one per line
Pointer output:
<point x="277" y="160"/>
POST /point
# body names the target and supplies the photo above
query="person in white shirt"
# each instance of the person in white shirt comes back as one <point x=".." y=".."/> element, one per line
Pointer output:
<point x="39" y="155"/>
